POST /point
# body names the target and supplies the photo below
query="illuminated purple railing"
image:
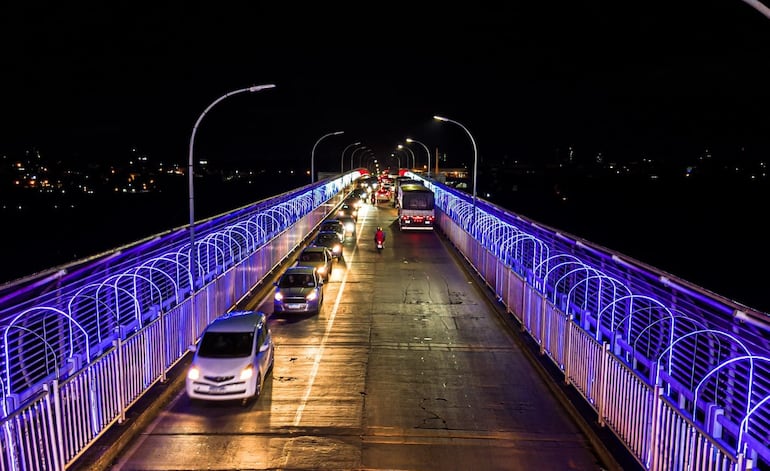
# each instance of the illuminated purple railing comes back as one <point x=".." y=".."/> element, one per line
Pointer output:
<point x="679" y="374"/>
<point x="627" y="335"/>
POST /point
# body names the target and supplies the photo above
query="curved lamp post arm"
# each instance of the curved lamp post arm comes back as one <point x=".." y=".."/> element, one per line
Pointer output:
<point x="255" y="88"/>
<point x="475" y="154"/>
<point x="342" y="164"/>
<point x="312" y="154"/>
<point x="352" y="154"/>
<point x="368" y="153"/>
<point x="405" y="148"/>
<point x="427" y="151"/>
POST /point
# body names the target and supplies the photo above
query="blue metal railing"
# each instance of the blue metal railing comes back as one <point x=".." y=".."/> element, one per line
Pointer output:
<point x="646" y="338"/>
<point x="695" y="365"/>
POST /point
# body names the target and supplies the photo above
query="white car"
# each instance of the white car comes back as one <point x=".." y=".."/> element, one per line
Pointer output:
<point x="232" y="359"/>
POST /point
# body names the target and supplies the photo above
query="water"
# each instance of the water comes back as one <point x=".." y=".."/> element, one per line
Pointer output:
<point x="707" y="233"/>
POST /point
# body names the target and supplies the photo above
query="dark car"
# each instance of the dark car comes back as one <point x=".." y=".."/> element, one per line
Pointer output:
<point x="350" y="227"/>
<point x="300" y="289"/>
<point x="320" y="258"/>
<point x="347" y="209"/>
<point x="335" y="226"/>
<point x="330" y="240"/>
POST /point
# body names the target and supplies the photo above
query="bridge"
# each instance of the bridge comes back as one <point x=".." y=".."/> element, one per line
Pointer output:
<point x="679" y="375"/>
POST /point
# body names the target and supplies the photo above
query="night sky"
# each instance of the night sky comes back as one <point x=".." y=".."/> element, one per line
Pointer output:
<point x="668" y="78"/>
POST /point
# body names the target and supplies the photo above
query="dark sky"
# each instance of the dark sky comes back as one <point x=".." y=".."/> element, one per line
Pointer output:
<point x="661" y="77"/>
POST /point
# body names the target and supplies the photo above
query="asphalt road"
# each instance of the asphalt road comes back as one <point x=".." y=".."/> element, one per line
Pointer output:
<point x="408" y="366"/>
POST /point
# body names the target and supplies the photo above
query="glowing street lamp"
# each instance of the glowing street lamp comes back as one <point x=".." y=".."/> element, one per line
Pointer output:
<point x="353" y="154"/>
<point x="255" y="88"/>
<point x="475" y="159"/>
<point x="414" y="160"/>
<point x="408" y="140"/>
<point x="342" y="164"/>
<point x="397" y="158"/>
<point x="312" y="154"/>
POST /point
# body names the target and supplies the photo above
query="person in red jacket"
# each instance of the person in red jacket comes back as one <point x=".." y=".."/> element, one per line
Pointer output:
<point x="379" y="238"/>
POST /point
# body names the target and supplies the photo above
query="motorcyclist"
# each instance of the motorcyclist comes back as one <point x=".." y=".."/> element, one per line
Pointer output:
<point x="379" y="237"/>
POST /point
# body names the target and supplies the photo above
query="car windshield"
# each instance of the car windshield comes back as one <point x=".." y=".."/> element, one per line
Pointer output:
<point x="296" y="281"/>
<point x="226" y="344"/>
<point x="312" y="257"/>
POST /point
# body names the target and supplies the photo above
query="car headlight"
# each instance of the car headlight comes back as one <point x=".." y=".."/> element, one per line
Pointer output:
<point x="337" y="249"/>
<point x="311" y="296"/>
<point x="350" y="227"/>
<point x="194" y="373"/>
<point x="278" y="296"/>
<point x="247" y="372"/>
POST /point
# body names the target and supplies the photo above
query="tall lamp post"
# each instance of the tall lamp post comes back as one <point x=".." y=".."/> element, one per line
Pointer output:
<point x="353" y="154"/>
<point x="475" y="159"/>
<point x="368" y="153"/>
<point x="312" y="154"/>
<point x="255" y="88"/>
<point x="414" y="159"/>
<point x="397" y="158"/>
<point x="342" y="164"/>
<point x="408" y="140"/>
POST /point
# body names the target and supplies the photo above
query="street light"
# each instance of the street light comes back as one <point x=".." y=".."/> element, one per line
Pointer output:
<point x="424" y="147"/>
<point x="368" y="153"/>
<point x="353" y="154"/>
<point x="414" y="160"/>
<point x="255" y="88"/>
<point x="342" y="165"/>
<point x="312" y="154"/>
<point x="398" y="158"/>
<point x="475" y="159"/>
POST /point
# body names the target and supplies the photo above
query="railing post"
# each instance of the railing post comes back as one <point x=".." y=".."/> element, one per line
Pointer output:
<point x="542" y="326"/>
<point x="603" y="383"/>
<point x="164" y="342"/>
<point x="57" y="423"/>
<point x="568" y="348"/>
<point x="653" y="461"/>
<point x="119" y="379"/>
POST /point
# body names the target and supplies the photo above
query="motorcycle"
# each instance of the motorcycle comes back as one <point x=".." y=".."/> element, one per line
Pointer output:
<point x="380" y="244"/>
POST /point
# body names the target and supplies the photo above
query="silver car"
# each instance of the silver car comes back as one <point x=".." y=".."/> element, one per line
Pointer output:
<point x="232" y="359"/>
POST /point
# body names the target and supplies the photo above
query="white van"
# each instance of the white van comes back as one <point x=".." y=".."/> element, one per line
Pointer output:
<point x="232" y="358"/>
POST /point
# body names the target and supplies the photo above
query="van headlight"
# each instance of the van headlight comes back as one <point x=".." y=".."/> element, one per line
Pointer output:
<point x="311" y="296"/>
<point x="247" y="372"/>
<point x="193" y="373"/>
<point x="278" y="296"/>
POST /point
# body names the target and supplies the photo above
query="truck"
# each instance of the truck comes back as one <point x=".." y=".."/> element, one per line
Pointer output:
<point x="416" y="205"/>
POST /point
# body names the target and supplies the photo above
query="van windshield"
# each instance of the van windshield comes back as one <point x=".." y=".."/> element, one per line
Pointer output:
<point x="226" y="344"/>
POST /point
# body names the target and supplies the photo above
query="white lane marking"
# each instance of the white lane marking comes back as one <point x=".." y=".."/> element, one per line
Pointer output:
<point x="320" y="351"/>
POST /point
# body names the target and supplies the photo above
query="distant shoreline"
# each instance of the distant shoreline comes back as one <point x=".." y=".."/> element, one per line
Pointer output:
<point x="704" y="234"/>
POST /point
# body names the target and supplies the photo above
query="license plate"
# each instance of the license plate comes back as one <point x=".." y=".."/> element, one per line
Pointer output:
<point x="216" y="389"/>
<point x="294" y="306"/>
